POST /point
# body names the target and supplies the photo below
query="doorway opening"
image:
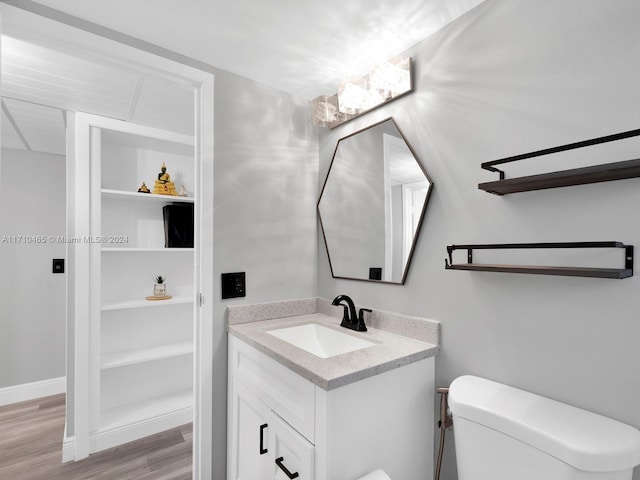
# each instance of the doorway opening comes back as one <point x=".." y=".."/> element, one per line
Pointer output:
<point x="49" y="69"/>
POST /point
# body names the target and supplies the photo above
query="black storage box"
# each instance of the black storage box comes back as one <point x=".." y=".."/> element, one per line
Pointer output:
<point x="178" y="225"/>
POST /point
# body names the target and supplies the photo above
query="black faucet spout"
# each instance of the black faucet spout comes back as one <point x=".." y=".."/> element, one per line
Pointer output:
<point x="350" y="315"/>
<point x="349" y="318"/>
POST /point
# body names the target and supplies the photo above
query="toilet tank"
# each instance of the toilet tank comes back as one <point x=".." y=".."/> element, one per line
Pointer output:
<point x="503" y="433"/>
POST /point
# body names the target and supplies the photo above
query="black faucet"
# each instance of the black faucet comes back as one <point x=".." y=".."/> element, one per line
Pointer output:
<point x="349" y="318"/>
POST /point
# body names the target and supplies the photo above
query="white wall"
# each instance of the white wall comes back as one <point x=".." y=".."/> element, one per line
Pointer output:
<point x="265" y="188"/>
<point x="32" y="317"/>
<point x="507" y="78"/>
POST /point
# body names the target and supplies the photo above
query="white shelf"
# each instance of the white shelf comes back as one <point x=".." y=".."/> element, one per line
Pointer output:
<point x="140" y="411"/>
<point x="144" y="303"/>
<point x="110" y="193"/>
<point x="148" y="250"/>
<point x="133" y="357"/>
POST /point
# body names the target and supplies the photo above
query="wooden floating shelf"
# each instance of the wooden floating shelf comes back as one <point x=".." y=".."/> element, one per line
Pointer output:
<point x="542" y="270"/>
<point x="576" y="176"/>
<point x="592" y="272"/>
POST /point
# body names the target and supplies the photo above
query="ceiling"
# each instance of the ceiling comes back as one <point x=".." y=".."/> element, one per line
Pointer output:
<point x="39" y="85"/>
<point x="303" y="47"/>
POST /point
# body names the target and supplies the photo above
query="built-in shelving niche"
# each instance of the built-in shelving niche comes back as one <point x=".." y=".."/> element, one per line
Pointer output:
<point x="576" y="176"/>
<point x="135" y="360"/>
<point x="572" y="271"/>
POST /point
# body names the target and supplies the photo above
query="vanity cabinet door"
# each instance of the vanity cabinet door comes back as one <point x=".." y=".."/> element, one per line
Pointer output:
<point x="290" y="454"/>
<point x="250" y="450"/>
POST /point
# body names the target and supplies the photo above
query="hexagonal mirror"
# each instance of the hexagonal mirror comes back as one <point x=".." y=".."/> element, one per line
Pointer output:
<point x="372" y="205"/>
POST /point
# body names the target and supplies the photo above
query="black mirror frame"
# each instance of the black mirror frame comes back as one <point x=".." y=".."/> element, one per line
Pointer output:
<point x="422" y="214"/>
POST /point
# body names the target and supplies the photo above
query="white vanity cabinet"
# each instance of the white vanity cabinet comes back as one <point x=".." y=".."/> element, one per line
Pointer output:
<point x="266" y="399"/>
<point x="283" y="426"/>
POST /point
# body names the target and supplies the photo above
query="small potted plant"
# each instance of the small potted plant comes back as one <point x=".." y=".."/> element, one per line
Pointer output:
<point x="160" y="287"/>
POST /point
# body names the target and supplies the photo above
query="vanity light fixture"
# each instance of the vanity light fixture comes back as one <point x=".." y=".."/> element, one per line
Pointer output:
<point x="384" y="83"/>
<point x="391" y="78"/>
<point x="325" y="111"/>
<point x="357" y="97"/>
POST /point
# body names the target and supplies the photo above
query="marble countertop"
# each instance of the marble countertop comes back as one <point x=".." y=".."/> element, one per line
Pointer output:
<point x="392" y="350"/>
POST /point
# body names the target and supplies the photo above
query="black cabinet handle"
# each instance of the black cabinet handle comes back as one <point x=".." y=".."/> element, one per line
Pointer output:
<point x="284" y="469"/>
<point x="262" y="449"/>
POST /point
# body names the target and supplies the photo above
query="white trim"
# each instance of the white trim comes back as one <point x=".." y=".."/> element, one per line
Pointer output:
<point x="78" y="154"/>
<point x="106" y="123"/>
<point x="68" y="447"/>
<point x="411" y="218"/>
<point x="107" y="438"/>
<point x="203" y="328"/>
<point x="31" y="391"/>
<point x="388" y="145"/>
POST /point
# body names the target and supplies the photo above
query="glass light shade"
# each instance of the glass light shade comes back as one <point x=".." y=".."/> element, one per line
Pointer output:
<point x="351" y="97"/>
<point x="391" y="78"/>
<point x="325" y="110"/>
<point x="357" y="97"/>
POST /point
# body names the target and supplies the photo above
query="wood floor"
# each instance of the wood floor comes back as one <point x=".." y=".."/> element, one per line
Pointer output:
<point x="31" y="449"/>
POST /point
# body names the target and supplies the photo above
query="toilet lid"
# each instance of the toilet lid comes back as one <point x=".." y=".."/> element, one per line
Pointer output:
<point x="583" y="439"/>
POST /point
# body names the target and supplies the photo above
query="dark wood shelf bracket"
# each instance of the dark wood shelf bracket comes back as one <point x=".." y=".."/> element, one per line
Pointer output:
<point x="617" y="273"/>
<point x="577" y="176"/>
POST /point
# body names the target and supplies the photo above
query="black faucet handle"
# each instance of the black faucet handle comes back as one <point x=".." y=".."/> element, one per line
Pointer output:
<point x="362" y="327"/>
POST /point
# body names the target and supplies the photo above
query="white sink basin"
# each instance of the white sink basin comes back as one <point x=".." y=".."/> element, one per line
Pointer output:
<point x="319" y="340"/>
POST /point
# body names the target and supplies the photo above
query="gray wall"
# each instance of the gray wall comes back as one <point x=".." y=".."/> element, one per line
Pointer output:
<point x="507" y="78"/>
<point x="32" y="299"/>
<point x="265" y="189"/>
<point x="265" y="194"/>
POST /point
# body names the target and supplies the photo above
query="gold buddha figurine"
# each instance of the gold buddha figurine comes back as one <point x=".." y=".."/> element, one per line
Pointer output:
<point x="144" y="189"/>
<point x="164" y="185"/>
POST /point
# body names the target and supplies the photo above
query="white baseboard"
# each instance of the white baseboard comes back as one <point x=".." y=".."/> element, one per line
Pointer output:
<point x="31" y="391"/>
<point x="118" y="435"/>
<point x="68" y="447"/>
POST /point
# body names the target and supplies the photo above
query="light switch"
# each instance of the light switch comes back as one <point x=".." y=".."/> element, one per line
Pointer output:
<point x="233" y="285"/>
<point x="58" y="265"/>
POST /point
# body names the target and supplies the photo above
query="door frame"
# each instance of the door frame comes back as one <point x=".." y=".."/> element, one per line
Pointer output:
<point x="27" y="21"/>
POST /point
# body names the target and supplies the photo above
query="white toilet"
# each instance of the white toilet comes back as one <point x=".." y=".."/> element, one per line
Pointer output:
<point x="377" y="475"/>
<point x="503" y="433"/>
